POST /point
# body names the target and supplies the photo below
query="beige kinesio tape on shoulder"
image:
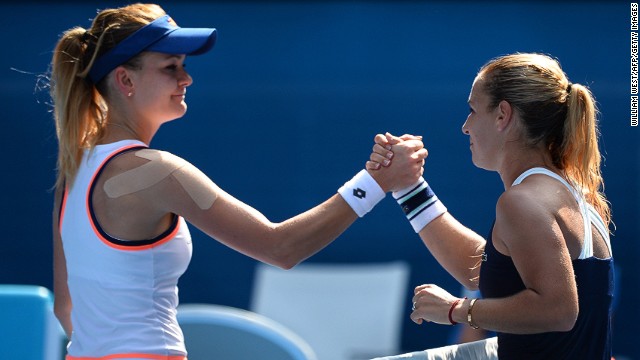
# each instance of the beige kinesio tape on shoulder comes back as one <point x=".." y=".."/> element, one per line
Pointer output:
<point x="161" y="165"/>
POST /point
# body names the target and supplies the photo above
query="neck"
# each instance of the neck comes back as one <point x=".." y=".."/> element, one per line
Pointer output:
<point x="122" y="131"/>
<point x="520" y="159"/>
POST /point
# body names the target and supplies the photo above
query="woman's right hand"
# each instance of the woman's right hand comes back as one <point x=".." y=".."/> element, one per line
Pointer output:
<point x="382" y="153"/>
<point x="408" y="154"/>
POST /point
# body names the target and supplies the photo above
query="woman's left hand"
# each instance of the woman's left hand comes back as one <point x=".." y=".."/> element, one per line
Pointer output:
<point x="431" y="303"/>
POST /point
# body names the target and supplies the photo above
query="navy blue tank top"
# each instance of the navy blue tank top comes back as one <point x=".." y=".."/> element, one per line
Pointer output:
<point x="590" y="337"/>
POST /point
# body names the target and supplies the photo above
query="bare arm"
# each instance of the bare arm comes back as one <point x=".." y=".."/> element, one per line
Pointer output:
<point x="62" y="299"/>
<point x="528" y="232"/>
<point x="245" y="229"/>
<point x="457" y="248"/>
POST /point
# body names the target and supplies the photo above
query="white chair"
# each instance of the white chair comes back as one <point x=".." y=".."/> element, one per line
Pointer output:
<point x="223" y="332"/>
<point x="344" y="311"/>
<point x="28" y="326"/>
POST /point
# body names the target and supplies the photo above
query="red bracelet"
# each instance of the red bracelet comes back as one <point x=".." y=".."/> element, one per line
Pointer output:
<point x="455" y="303"/>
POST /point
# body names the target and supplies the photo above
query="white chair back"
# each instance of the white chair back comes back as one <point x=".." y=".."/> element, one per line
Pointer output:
<point x="344" y="311"/>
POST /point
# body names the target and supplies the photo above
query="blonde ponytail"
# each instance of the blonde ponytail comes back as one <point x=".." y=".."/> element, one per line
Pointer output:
<point x="580" y="156"/>
<point x="79" y="110"/>
<point x="80" y="106"/>
<point x="555" y="113"/>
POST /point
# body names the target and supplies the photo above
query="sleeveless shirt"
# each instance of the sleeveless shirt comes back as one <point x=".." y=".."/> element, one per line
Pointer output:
<point x="124" y="293"/>
<point x="590" y="337"/>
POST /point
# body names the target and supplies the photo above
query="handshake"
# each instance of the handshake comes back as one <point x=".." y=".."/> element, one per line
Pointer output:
<point x="396" y="165"/>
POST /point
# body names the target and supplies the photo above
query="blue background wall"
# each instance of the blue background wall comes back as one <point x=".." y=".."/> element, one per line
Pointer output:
<point x="284" y="110"/>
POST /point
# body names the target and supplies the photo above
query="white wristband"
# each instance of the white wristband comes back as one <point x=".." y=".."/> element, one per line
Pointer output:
<point x="419" y="204"/>
<point x="362" y="193"/>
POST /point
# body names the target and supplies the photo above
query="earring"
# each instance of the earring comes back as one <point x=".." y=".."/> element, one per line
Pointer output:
<point x="130" y="94"/>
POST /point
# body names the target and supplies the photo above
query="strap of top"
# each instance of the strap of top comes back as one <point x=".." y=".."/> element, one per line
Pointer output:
<point x="589" y="214"/>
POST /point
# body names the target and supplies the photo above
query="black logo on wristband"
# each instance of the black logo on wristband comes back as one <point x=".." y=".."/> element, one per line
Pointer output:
<point x="359" y="193"/>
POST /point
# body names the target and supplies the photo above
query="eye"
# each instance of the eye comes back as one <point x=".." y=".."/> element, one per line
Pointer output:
<point x="174" y="67"/>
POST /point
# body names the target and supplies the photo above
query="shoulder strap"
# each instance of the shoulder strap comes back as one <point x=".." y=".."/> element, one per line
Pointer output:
<point x="589" y="214"/>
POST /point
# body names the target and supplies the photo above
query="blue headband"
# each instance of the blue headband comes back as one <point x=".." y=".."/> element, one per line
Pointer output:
<point x="161" y="35"/>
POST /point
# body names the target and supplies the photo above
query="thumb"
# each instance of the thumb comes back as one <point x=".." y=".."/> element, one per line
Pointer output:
<point x="392" y="139"/>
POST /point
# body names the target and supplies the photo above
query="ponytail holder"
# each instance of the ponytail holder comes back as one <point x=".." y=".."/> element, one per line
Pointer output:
<point x="85" y="37"/>
<point x="569" y="88"/>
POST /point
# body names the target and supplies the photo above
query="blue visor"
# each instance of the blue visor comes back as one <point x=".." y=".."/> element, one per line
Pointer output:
<point x="161" y="35"/>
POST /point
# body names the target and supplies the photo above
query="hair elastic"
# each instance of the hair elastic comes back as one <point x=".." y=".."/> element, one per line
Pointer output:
<point x="453" y="306"/>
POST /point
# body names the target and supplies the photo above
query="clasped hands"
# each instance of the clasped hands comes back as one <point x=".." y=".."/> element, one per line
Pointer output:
<point x="396" y="163"/>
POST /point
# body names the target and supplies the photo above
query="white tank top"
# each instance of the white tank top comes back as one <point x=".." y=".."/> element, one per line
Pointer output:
<point x="589" y="214"/>
<point x="124" y="293"/>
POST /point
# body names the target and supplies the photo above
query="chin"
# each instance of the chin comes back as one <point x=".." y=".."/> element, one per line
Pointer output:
<point x="180" y="113"/>
<point x="479" y="164"/>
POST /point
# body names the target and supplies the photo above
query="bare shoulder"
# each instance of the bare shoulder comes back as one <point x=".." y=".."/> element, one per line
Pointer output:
<point x="139" y="170"/>
<point x="528" y="212"/>
<point x="148" y="162"/>
<point x="139" y="157"/>
<point x="537" y="195"/>
<point x="519" y="202"/>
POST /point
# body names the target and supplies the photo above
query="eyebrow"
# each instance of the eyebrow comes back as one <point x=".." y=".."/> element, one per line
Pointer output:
<point x="172" y="56"/>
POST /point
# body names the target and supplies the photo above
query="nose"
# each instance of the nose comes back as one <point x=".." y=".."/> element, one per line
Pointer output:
<point x="464" y="129"/>
<point x="185" y="80"/>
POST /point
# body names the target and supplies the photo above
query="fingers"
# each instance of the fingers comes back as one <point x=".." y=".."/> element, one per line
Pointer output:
<point x="396" y="162"/>
<point x="420" y="155"/>
<point x="414" y="144"/>
<point x="415" y="318"/>
<point x="388" y="138"/>
<point x="383" y="151"/>
<point x="392" y="139"/>
<point x="372" y="165"/>
<point x="411" y="137"/>
<point x="382" y="140"/>
<point x="384" y="161"/>
<point x="379" y="157"/>
<point x="431" y="303"/>
<point x="376" y="161"/>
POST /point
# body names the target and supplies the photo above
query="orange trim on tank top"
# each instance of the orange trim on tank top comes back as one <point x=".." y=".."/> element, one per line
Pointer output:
<point x="95" y="228"/>
<point x="129" y="356"/>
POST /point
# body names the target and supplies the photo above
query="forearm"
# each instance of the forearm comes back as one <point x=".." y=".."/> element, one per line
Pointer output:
<point x="283" y="244"/>
<point x="526" y="312"/>
<point x="302" y="236"/>
<point x="63" y="314"/>
<point x="456" y="248"/>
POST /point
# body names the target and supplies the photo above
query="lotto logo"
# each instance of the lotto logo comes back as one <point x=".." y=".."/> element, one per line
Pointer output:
<point x="359" y="193"/>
